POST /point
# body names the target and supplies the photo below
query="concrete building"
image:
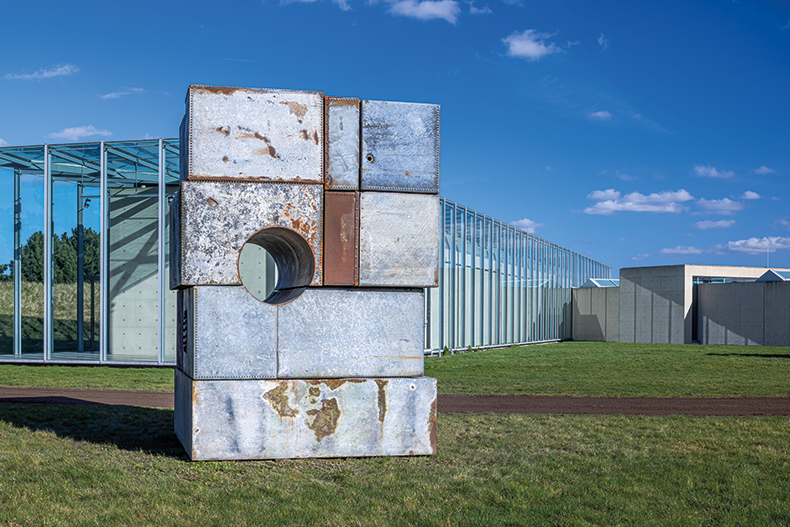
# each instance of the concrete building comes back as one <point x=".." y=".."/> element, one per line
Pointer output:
<point x="682" y="304"/>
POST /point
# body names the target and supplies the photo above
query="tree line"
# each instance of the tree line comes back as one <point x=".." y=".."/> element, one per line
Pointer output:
<point x="64" y="248"/>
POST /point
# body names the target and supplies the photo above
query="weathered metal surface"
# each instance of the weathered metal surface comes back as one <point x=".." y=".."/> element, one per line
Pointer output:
<point x="217" y="218"/>
<point x="399" y="239"/>
<point x="339" y="332"/>
<point x="341" y="238"/>
<point x="182" y="399"/>
<point x="400" y="147"/>
<point x="175" y="241"/>
<point x="342" y="143"/>
<point x="230" y="334"/>
<point x="253" y="134"/>
<point x="270" y="419"/>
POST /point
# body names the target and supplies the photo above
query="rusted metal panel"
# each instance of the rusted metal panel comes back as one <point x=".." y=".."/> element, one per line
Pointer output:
<point x="342" y="332"/>
<point x="249" y="134"/>
<point x="217" y="218"/>
<point x="400" y="147"/>
<point x="399" y="239"/>
<point x="341" y="238"/>
<point x="341" y="121"/>
<point x="274" y="419"/>
<point x="231" y="334"/>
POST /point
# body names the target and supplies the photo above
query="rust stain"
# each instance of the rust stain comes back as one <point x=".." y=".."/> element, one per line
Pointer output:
<point x="432" y="426"/>
<point x="305" y="135"/>
<point x="409" y="174"/>
<point x="315" y="137"/>
<point x="382" y="399"/>
<point x="225" y="159"/>
<point x="278" y="398"/>
<point x="324" y="421"/>
<point x="297" y="109"/>
<point x="212" y="202"/>
<point x="224" y="90"/>
<point x="269" y="150"/>
<point x="223" y="129"/>
<point x="315" y="391"/>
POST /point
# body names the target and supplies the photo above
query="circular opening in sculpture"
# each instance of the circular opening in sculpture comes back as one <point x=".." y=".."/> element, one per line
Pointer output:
<point x="276" y="265"/>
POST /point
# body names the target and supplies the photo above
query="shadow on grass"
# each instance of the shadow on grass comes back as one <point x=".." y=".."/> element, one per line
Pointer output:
<point x="149" y="430"/>
<point x="763" y="355"/>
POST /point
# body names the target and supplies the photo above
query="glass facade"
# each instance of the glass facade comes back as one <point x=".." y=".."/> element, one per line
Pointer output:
<point x="499" y="285"/>
<point x="84" y="263"/>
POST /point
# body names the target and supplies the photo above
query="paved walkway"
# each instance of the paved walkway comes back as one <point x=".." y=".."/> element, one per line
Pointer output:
<point x="518" y="404"/>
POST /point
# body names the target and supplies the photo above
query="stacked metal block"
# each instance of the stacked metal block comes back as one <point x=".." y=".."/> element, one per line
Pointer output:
<point x="342" y="194"/>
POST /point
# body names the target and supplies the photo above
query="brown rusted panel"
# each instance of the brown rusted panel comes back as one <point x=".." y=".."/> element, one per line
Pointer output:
<point x="341" y="238"/>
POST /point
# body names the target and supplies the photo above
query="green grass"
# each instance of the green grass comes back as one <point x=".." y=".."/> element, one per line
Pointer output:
<point x="71" y="465"/>
<point x="32" y="310"/>
<point x="87" y="377"/>
<point x="568" y="368"/>
<point x="112" y="465"/>
<point x="617" y="370"/>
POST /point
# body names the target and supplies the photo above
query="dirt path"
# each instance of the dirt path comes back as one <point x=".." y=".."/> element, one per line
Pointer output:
<point x="517" y="404"/>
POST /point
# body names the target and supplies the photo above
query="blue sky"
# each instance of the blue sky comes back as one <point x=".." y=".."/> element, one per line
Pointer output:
<point x="637" y="133"/>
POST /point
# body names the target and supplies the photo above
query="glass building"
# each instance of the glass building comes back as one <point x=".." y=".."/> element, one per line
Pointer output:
<point x="84" y="270"/>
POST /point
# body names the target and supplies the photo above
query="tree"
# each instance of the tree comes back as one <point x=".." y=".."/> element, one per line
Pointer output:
<point x="64" y="249"/>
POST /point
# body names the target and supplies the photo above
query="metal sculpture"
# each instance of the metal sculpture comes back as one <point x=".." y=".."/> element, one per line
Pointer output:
<point x="342" y="194"/>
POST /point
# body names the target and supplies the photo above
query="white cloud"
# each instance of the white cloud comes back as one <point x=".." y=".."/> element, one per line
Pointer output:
<point x="783" y="222"/>
<point x="720" y="206"/>
<point x="709" y="171"/>
<point x="786" y="26"/>
<point x="610" y="202"/>
<point x="526" y="225"/>
<point x="342" y="4"/>
<point x="602" y="195"/>
<point x="624" y="176"/>
<point x="485" y="10"/>
<point x="709" y="224"/>
<point x="763" y="170"/>
<point x="682" y="249"/>
<point x="640" y="257"/>
<point x="530" y="45"/>
<point x="119" y="94"/>
<point x="3" y="143"/>
<point x="513" y="2"/>
<point x="750" y="195"/>
<point x="601" y="115"/>
<point x="603" y="41"/>
<point x="45" y="73"/>
<point x="427" y="10"/>
<point x="756" y="245"/>
<point x="78" y="132"/>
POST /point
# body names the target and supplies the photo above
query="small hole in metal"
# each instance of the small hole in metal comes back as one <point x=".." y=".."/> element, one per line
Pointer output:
<point x="369" y="157"/>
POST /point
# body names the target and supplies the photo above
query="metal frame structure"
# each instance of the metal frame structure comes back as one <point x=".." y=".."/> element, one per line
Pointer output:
<point x="498" y="285"/>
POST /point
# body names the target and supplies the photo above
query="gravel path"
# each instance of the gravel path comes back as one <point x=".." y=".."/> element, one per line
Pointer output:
<point x="518" y="404"/>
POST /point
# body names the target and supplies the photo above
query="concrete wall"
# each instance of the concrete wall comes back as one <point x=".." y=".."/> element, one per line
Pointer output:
<point x="134" y="287"/>
<point x="748" y="313"/>
<point x="655" y="302"/>
<point x="596" y="314"/>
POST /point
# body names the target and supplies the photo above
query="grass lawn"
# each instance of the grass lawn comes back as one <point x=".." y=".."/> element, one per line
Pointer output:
<point x="567" y="368"/>
<point x="95" y="465"/>
<point x="78" y="465"/>
<point x="617" y="370"/>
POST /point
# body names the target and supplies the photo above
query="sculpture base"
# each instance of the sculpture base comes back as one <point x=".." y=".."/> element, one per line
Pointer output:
<point x="277" y="419"/>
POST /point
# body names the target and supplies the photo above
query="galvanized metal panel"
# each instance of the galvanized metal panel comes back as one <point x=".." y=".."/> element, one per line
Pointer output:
<point x="399" y="239"/>
<point x="253" y="134"/>
<point x="400" y="147"/>
<point x="217" y="218"/>
<point x="231" y="334"/>
<point x="175" y="241"/>
<point x="342" y="143"/>
<point x="341" y="238"/>
<point x="269" y="419"/>
<point x="334" y="332"/>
